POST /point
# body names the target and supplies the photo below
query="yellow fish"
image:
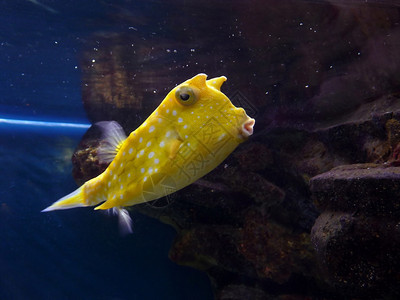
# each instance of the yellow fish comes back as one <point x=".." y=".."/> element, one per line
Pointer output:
<point x="190" y="133"/>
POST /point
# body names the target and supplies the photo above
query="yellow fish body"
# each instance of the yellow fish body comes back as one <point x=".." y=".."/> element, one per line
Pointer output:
<point x="190" y="133"/>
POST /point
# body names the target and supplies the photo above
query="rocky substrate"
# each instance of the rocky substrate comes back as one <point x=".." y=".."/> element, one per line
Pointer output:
<point x="255" y="225"/>
<point x="248" y="223"/>
<point x="357" y="235"/>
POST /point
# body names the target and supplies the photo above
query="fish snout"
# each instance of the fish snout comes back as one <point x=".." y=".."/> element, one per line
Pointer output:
<point x="247" y="127"/>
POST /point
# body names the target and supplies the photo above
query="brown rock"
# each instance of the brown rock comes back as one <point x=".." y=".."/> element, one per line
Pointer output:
<point x="276" y="252"/>
<point x="357" y="236"/>
<point x="367" y="188"/>
<point x="359" y="255"/>
<point x="85" y="160"/>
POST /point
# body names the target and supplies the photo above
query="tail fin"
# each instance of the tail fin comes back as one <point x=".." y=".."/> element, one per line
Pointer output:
<point x="75" y="199"/>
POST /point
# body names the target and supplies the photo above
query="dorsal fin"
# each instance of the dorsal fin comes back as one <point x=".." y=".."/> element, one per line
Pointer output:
<point x="111" y="140"/>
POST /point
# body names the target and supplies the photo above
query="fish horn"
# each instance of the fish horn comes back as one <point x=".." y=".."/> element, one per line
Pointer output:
<point x="199" y="80"/>
<point x="75" y="199"/>
<point x="216" y="82"/>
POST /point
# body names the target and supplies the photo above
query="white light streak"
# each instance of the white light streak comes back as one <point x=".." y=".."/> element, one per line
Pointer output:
<point x="43" y="123"/>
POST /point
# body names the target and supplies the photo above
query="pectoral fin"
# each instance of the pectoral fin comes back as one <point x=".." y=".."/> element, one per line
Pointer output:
<point x="174" y="148"/>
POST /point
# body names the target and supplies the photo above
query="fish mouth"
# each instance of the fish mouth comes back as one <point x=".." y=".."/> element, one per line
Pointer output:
<point x="247" y="128"/>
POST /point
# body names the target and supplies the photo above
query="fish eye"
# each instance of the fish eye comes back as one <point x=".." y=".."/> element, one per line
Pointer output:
<point x="185" y="95"/>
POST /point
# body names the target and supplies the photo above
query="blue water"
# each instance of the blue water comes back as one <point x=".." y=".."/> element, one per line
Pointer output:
<point x="75" y="253"/>
<point x="72" y="254"/>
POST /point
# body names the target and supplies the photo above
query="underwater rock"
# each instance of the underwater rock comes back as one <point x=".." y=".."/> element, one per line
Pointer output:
<point x="276" y="252"/>
<point x="240" y="292"/>
<point x="319" y="104"/>
<point x="318" y="82"/>
<point x="259" y="249"/>
<point x="251" y="217"/>
<point x="204" y="247"/>
<point x="290" y="71"/>
<point x="85" y="162"/>
<point x="368" y="189"/>
<point x="358" y="235"/>
<point x="122" y="80"/>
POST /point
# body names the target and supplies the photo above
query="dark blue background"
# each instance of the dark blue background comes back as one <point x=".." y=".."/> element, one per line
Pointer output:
<point x="72" y="254"/>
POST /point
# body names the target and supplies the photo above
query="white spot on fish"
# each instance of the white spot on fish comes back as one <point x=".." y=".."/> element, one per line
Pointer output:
<point x="156" y="161"/>
<point x="159" y="120"/>
<point x="110" y="172"/>
<point x="156" y="113"/>
<point x="144" y="178"/>
<point x="122" y="186"/>
<point x="180" y="120"/>
<point x="129" y="174"/>
<point x="192" y="113"/>
<point x="141" y="152"/>
<point x="174" y="112"/>
<point x="151" y="129"/>
<point x="123" y="153"/>
<point x="115" y="177"/>
<point x="122" y="196"/>
<point x="185" y="126"/>
<point x="167" y="111"/>
<point x="210" y="107"/>
<point x="186" y="136"/>
<point x="142" y="170"/>
<point x="121" y="165"/>
<point x="156" y="170"/>
<point x="109" y="183"/>
<point x="150" y="170"/>
<point x="198" y="117"/>
<point x="162" y="144"/>
<point x="148" y="144"/>
<point x="151" y="154"/>
<point x="130" y="151"/>
<point x="168" y="133"/>
<point x="140" y="140"/>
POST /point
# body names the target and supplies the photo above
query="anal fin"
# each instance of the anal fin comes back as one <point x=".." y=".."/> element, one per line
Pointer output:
<point x="124" y="220"/>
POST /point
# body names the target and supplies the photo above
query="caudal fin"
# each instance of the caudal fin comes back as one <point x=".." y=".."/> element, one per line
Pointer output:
<point x="75" y="199"/>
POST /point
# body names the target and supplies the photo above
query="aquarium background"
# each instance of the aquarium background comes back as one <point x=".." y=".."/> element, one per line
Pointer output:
<point x="306" y="208"/>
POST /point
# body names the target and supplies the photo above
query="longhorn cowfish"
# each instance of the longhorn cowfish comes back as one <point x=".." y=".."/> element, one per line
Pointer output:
<point x="189" y="134"/>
